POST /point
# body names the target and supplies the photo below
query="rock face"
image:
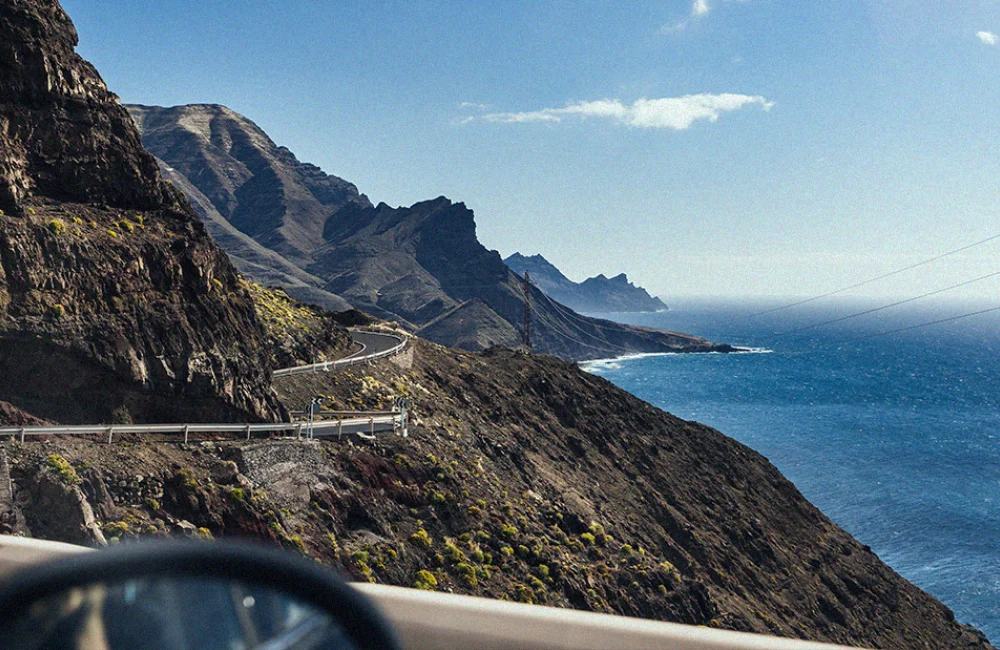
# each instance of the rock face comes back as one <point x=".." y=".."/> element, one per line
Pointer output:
<point x="597" y="294"/>
<point x="113" y="299"/>
<point x="287" y="223"/>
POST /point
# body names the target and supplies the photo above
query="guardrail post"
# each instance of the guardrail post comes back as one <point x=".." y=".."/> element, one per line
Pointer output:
<point x="111" y="433"/>
<point x="298" y="431"/>
<point x="248" y="432"/>
<point x="186" y="427"/>
<point x="371" y="421"/>
<point x="340" y="428"/>
<point x="22" y="435"/>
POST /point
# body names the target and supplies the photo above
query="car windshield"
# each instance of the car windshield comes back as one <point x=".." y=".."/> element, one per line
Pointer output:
<point x="349" y="277"/>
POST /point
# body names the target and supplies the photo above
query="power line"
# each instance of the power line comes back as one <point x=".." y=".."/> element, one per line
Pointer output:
<point x="920" y="325"/>
<point x="877" y="278"/>
<point x="557" y="312"/>
<point x="894" y="304"/>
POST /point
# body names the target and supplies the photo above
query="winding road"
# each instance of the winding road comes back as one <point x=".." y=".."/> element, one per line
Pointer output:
<point x="374" y="345"/>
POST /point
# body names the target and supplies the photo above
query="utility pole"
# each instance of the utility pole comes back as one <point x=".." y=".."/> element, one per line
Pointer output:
<point x="526" y="343"/>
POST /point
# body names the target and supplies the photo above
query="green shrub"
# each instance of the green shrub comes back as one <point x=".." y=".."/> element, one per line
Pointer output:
<point x="524" y="595"/>
<point x="421" y="539"/>
<point x="78" y="221"/>
<point x="58" y="311"/>
<point x="112" y="233"/>
<point x="63" y="469"/>
<point x="508" y="531"/>
<point x="536" y="583"/>
<point x="152" y="504"/>
<point x="56" y="226"/>
<point x="236" y="494"/>
<point x="453" y="553"/>
<point x="188" y="481"/>
<point x="115" y="528"/>
<point x="425" y="580"/>
<point x="588" y="538"/>
<point x="477" y="555"/>
<point x="468" y="573"/>
<point x="507" y="551"/>
<point x="543" y="570"/>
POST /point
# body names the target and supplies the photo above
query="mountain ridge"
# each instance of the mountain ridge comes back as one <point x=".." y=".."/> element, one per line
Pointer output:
<point x="598" y="294"/>
<point x="414" y="265"/>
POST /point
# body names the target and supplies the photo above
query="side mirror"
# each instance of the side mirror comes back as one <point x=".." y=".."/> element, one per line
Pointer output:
<point x="187" y="596"/>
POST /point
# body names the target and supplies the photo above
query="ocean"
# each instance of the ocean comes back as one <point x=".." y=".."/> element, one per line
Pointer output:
<point x="896" y="438"/>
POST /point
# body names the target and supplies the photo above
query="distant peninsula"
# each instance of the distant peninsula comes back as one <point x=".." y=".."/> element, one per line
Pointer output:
<point x="598" y="294"/>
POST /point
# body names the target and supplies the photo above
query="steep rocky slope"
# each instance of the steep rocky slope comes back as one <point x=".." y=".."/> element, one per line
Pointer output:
<point x="260" y="203"/>
<point x="523" y="478"/>
<point x="113" y="299"/>
<point x="287" y="223"/>
<point x="597" y="294"/>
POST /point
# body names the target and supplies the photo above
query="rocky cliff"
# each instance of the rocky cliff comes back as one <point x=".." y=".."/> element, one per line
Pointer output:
<point x="598" y="294"/>
<point x="524" y="478"/>
<point x="114" y="302"/>
<point x="287" y="223"/>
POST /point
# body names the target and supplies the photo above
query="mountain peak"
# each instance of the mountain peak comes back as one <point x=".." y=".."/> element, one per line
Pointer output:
<point x="597" y="294"/>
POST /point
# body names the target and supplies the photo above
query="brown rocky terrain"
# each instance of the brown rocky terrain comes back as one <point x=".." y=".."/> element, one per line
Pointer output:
<point x="113" y="299"/>
<point x="287" y="223"/>
<point x="523" y="478"/>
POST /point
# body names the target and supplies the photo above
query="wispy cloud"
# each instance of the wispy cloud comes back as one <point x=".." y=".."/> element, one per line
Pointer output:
<point x="699" y="9"/>
<point x="988" y="38"/>
<point x="677" y="113"/>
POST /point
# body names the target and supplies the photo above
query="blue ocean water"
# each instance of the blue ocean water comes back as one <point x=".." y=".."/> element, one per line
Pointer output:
<point x="896" y="438"/>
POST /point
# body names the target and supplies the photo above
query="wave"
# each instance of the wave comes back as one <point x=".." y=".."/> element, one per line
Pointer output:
<point x="614" y="363"/>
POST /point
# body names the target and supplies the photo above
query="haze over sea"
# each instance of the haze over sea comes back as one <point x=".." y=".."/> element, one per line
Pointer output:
<point x="895" y="438"/>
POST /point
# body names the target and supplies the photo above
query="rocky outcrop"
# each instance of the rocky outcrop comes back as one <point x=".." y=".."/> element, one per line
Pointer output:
<point x="113" y="299"/>
<point x="287" y="223"/>
<point x="598" y="294"/>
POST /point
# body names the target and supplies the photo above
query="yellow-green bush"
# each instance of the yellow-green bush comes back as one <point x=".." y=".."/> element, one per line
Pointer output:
<point x="425" y="580"/>
<point x="421" y="539"/>
<point x="63" y="469"/>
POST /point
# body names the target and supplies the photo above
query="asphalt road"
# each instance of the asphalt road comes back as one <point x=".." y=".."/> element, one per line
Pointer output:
<point x="372" y="343"/>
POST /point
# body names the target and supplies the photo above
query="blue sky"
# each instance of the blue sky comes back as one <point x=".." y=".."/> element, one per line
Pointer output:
<point x="705" y="147"/>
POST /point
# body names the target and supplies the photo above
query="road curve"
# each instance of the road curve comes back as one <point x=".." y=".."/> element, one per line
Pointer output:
<point x="374" y="345"/>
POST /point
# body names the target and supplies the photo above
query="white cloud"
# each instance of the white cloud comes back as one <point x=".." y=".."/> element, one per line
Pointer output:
<point x="988" y="38"/>
<point x="699" y="8"/>
<point x="677" y="113"/>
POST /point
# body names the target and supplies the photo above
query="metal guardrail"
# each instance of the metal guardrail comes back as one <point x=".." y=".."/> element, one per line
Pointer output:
<point x="326" y="366"/>
<point x="294" y="429"/>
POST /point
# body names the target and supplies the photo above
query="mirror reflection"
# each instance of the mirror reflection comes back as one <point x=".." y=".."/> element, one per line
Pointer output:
<point x="171" y="613"/>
